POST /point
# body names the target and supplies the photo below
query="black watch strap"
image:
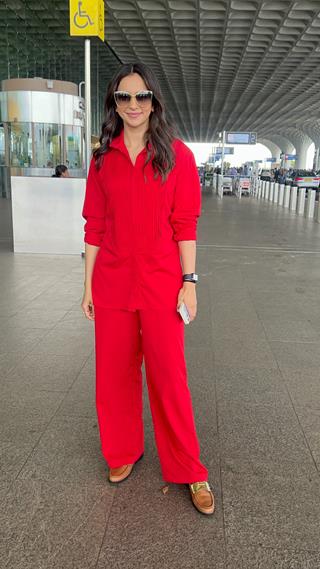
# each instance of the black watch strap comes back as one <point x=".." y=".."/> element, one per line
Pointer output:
<point x="190" y="278"/>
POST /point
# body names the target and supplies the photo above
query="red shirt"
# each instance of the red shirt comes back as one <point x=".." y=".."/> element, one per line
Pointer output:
<point x="137" y="221"/>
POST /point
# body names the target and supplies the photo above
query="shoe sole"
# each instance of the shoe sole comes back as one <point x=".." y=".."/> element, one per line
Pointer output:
<point x="126" y="477"/>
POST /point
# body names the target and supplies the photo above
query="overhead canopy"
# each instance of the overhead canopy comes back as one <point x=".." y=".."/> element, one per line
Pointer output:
<point x="226" y="64"/>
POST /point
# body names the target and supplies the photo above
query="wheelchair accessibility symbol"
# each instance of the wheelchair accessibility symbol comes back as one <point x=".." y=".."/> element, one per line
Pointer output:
<point x="81" y="19"/>
<point x="87" y="18"/>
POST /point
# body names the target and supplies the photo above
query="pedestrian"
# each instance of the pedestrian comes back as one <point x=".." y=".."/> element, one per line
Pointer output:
<point x="61" y="171"/>
<point x="141" y="207"/>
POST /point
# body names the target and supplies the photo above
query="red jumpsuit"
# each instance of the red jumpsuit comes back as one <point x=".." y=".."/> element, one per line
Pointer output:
<point x="137" y="221"/>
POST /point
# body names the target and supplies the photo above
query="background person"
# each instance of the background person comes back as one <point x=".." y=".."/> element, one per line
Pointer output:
<point x="61" y="171"/>
<point x="141" y="208"/>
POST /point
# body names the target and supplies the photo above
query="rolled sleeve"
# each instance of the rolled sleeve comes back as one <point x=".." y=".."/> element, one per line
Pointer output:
<point x="187" y="201"/>
<point x="94" y="208"/>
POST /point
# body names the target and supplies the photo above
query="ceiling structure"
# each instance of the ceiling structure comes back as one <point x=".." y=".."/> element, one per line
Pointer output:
<point x="244" y="65"/>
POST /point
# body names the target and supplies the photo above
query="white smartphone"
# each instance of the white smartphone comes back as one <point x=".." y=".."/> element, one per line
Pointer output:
<point x="183" y="311"/>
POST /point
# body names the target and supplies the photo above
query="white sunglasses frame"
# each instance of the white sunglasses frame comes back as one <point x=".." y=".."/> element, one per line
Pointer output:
<point x="131" y="96"/>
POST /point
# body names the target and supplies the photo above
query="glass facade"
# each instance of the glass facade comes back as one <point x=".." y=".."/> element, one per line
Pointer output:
<point x="42" y="145"/>
<point x="47" y="145"/>
<point x="20" y="135"/>
<point x="72" y="138"/>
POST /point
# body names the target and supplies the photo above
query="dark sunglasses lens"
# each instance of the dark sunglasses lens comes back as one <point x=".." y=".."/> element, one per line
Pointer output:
<point x="122" y="98"/>
<point x="144" y="97"/>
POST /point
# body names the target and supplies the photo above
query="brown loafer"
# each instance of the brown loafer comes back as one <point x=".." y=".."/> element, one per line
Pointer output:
<point x="202" y="497"/>
<point x="119" y="474"/>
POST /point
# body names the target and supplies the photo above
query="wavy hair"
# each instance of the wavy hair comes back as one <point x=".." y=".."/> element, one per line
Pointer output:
<point x="159" y="136"/>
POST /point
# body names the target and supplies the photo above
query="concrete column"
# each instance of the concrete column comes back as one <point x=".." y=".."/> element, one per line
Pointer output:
<point x="301" y="150"/>
<point x="281" y="194"/>
<point x="301" y="201"/>
<point x="311" y="200"/>
<point x="293" y="198"/>
<point x="301" y="142"/>
<point x="286" y="198"/>
<point x="316" y="158"/>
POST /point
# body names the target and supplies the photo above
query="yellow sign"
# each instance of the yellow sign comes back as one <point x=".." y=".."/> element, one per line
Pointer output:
<point x="87" y="18"/>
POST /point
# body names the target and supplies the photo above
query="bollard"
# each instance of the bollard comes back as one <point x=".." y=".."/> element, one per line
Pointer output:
<point x="281" y="194"/>
<point x="220" y="186"/>
<point x="267" y="190"/>
<point x="262" y="189"/>
<point x="276" y="193"/>
<point x="259" y="188"/>
<point x="311" y="200"/>
<point x="271" y="192"/>
<point x="301" y="201"/>
<point x="293" y="198"/>
<point x="214" y="183"/>
<point x="286" y="198"/>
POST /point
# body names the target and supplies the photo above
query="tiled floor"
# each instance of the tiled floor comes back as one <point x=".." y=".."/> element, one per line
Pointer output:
<point x="253" y="357"/>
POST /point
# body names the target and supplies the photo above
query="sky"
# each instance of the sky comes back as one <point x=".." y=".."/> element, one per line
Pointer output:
<point x="242" y="153"/>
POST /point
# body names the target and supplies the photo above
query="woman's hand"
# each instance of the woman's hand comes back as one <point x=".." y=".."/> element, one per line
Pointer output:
<point x="187" y="294"/>
<point x="87" y="305"/>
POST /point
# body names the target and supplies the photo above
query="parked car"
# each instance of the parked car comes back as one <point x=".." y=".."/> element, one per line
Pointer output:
<point x="266" y="175"/>
<point x="304" y="179"/>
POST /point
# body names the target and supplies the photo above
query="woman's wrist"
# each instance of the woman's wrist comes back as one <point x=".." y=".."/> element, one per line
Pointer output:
<point x="189" y="285"/>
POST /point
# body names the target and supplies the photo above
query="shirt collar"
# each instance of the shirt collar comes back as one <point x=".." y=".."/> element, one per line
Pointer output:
<point x="118" y="142"/>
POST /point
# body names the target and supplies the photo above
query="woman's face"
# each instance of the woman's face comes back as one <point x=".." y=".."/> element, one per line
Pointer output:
<point x="132" y="114"/>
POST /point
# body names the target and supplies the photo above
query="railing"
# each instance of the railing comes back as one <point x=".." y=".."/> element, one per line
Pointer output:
<point x="301" y="201"/>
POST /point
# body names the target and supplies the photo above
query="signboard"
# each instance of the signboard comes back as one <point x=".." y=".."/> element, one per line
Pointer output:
<point x="241" y="137"/>
<point x="270" y="160"/>
<point x="87" y="18"/>
<point x="227" y="150"/>
<point x="290" y="156"/>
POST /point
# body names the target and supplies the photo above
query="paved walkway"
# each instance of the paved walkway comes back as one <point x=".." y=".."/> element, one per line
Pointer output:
<point x="253" y="357"/>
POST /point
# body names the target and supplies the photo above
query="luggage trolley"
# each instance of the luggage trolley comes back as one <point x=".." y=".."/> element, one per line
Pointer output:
<point x="243" y="186"/>
<point x="227" y="185"/>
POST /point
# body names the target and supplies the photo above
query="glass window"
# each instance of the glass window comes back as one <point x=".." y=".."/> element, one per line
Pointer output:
<point x="73" y="146"/>
<point x="47" y="144"/>
<point x="20" y="145"/>
<point x="2" y="147"/>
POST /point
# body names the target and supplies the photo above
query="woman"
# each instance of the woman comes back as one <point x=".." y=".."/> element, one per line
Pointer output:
<point x="141" y="208"/>
<point x="61" y="171"/>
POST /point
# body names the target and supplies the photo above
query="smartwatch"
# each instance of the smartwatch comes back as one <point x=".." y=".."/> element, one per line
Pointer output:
<point x="190" y="278"/>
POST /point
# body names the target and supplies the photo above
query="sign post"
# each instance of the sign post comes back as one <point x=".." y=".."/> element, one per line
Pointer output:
<point x="222" y="153"/>
<point x="87" y="19"/>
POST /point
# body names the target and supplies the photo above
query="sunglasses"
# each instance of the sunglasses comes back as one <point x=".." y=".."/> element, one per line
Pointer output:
<point x="123" y="98"/>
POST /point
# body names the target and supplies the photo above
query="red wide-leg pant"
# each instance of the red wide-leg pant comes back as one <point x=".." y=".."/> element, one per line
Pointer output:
<point x="122" y="339"/>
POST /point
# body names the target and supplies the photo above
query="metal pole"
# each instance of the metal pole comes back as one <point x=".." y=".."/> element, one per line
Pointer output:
<point x="222" y="153"/>
<point x="87" y="79"/>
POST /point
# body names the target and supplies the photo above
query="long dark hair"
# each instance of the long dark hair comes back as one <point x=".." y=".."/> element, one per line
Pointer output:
<point x="60" y="169"/>
<point x="159" y="136"/>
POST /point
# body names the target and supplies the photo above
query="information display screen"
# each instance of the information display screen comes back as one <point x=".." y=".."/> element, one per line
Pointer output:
<point x="227" y="150"/>
<point x="241" y="138"/>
